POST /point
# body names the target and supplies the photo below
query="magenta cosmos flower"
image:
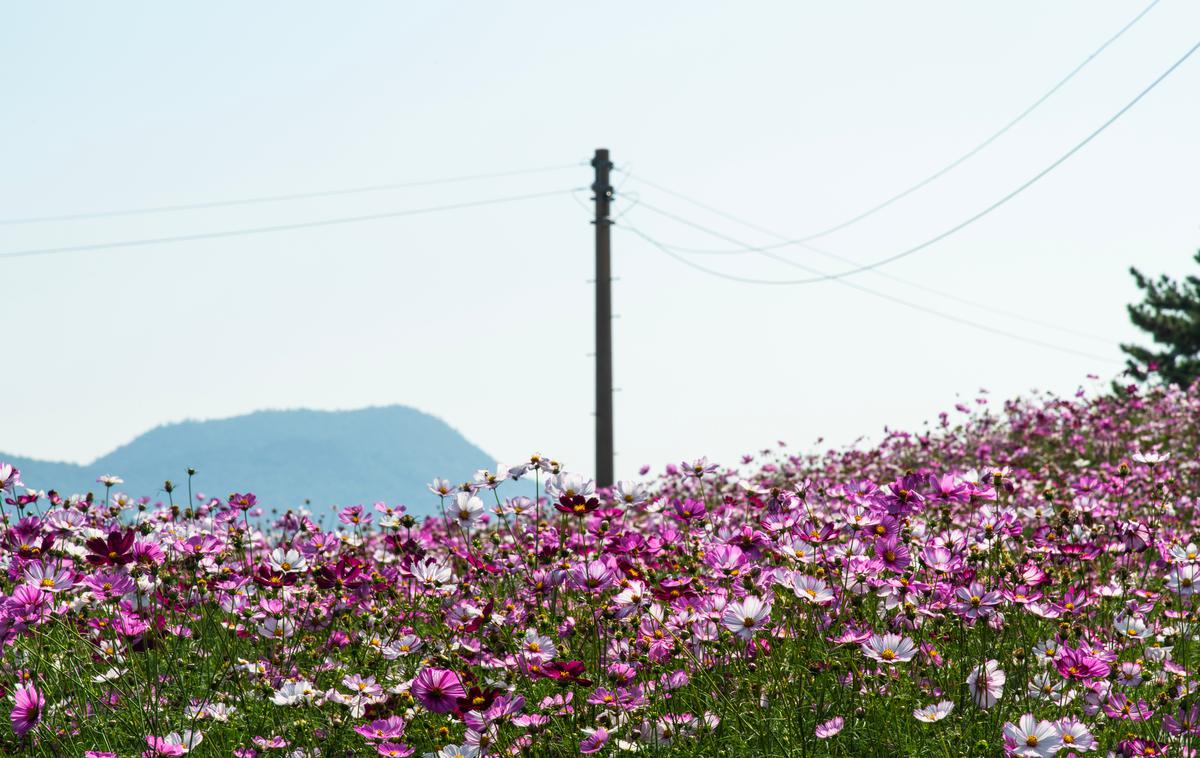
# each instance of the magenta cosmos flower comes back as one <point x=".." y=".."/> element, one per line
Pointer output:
<point x="438" y="689"/>
<point x="1078" y="665"/>
<point x="27" y="709"/>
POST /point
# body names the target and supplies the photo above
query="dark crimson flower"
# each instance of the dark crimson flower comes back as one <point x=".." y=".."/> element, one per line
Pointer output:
<point x="577" y="505"/>
<point x="117" y="550"/>
<point x="268" y="577"/>
<point x="673" y="589"/>
<point x="476" y="699"/>
<point x="565" y="672"/>
<point x="346" y="573"/>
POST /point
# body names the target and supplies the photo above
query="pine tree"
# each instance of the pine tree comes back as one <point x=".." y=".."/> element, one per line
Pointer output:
<point x="1170" y="314"/>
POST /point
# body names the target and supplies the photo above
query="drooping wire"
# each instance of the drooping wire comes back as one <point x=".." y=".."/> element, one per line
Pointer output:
<point x="281" y="198"/>
<point x="884" y="296"/>
<point x="280" y="227"/>
<point x="765" y="249"/>
<point x="982" y="145"/>
<point x="877" y="272"/>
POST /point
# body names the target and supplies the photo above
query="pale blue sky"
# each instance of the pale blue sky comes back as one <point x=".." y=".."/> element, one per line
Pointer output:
<point x="792" y="115"/>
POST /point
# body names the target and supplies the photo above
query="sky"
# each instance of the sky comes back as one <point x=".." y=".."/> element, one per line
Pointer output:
<point x="792" y="116"/>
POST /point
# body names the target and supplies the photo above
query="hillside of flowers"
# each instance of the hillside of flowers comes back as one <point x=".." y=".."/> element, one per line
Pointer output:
<point x="1014" y="579"/>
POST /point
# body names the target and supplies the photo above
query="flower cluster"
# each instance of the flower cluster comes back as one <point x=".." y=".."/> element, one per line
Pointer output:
<point x="1020" y="583"/>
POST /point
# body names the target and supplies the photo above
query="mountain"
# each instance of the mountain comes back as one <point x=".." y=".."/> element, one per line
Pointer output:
<point x="284" y="457"/>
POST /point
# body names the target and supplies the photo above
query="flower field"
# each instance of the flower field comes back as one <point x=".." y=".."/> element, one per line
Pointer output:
<point x="1010" y="580"/>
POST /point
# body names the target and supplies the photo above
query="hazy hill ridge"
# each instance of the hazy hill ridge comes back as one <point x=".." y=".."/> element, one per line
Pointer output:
<point x="329" y="457"/>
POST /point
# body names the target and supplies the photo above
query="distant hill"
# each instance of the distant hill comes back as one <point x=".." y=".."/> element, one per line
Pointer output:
<point x="284" y="457"/>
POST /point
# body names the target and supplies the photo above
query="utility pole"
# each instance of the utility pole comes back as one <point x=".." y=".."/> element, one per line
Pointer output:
<point x="602" y="195"/>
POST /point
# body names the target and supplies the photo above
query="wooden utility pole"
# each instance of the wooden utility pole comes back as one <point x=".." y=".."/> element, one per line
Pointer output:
<point x="602" y="195"/>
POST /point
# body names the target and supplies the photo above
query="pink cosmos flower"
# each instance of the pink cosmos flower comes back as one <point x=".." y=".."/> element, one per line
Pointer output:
<point x="593" y="576"/>
<point x="1121" y="707"/>
<point x="49" y="578"/>
<point x="28" y="705"/>
<point x="438" y="690"/>
<point x="893" y="553"/>
<point x="975" y="602"/>
<point x="830" y="727"/>
<point x="109" y="586"/>
<point x="594" y="742"/>
<point x="382" y="729"/>
<point x="394" y="750"/>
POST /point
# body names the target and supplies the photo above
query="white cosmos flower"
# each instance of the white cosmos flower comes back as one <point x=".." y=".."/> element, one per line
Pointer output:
<point x="889" y="648"/>
<point x="986" y="684"/>
<point x="1150" y="458"/>
<point x="935" y="712"/>
<point x="745" y="617"/>
<point x="290" y="693"/>
<point x="467" y="509"/>
<point x="1033" y="738"/>
<point x="187" y="739"/>
<point x="277" y="628"/>
<point x="811" y="589"/>
<point x="1075" y="735"/>
<point x="1182" y="579"/>
<point x="108" y="676"/>
<point x="569" y="485"/>
<point x="432" y="573"/>
<point x="1131" y="627"/>
<point x="287" y="562"/>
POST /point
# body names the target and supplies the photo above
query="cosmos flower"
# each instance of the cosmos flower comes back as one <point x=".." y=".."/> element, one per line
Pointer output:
<point x="1033" y="738"/>
<point x="28" y="705"/>
<point x="594" y="576"/>
<point x="10" y="477"/>
<point x="438" y="690"/>
<point x="935" y="712"/>
<point x="986" y="684"/>
<point x="288" y="561"/>
<point x="829" y="728"/>
<point x="747" y="616"/>
<point x="1075" y="735"/>
<point x="1080" y="666"/>
<point x="594" y="741"/>
<point x="467" y="510"/>
<point x="810" y="589"/>
<point x="115" y="550"/>
<point x="889" y="649"/>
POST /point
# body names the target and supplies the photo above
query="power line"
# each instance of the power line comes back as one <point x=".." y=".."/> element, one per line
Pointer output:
<point x="280" y="227"/>
<point x="982" y="145"/>
<point x="292" y="196"/>
<point x="947" y="233"/>
<point x="882" y="295"/>
<point x="851" y="261"/>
